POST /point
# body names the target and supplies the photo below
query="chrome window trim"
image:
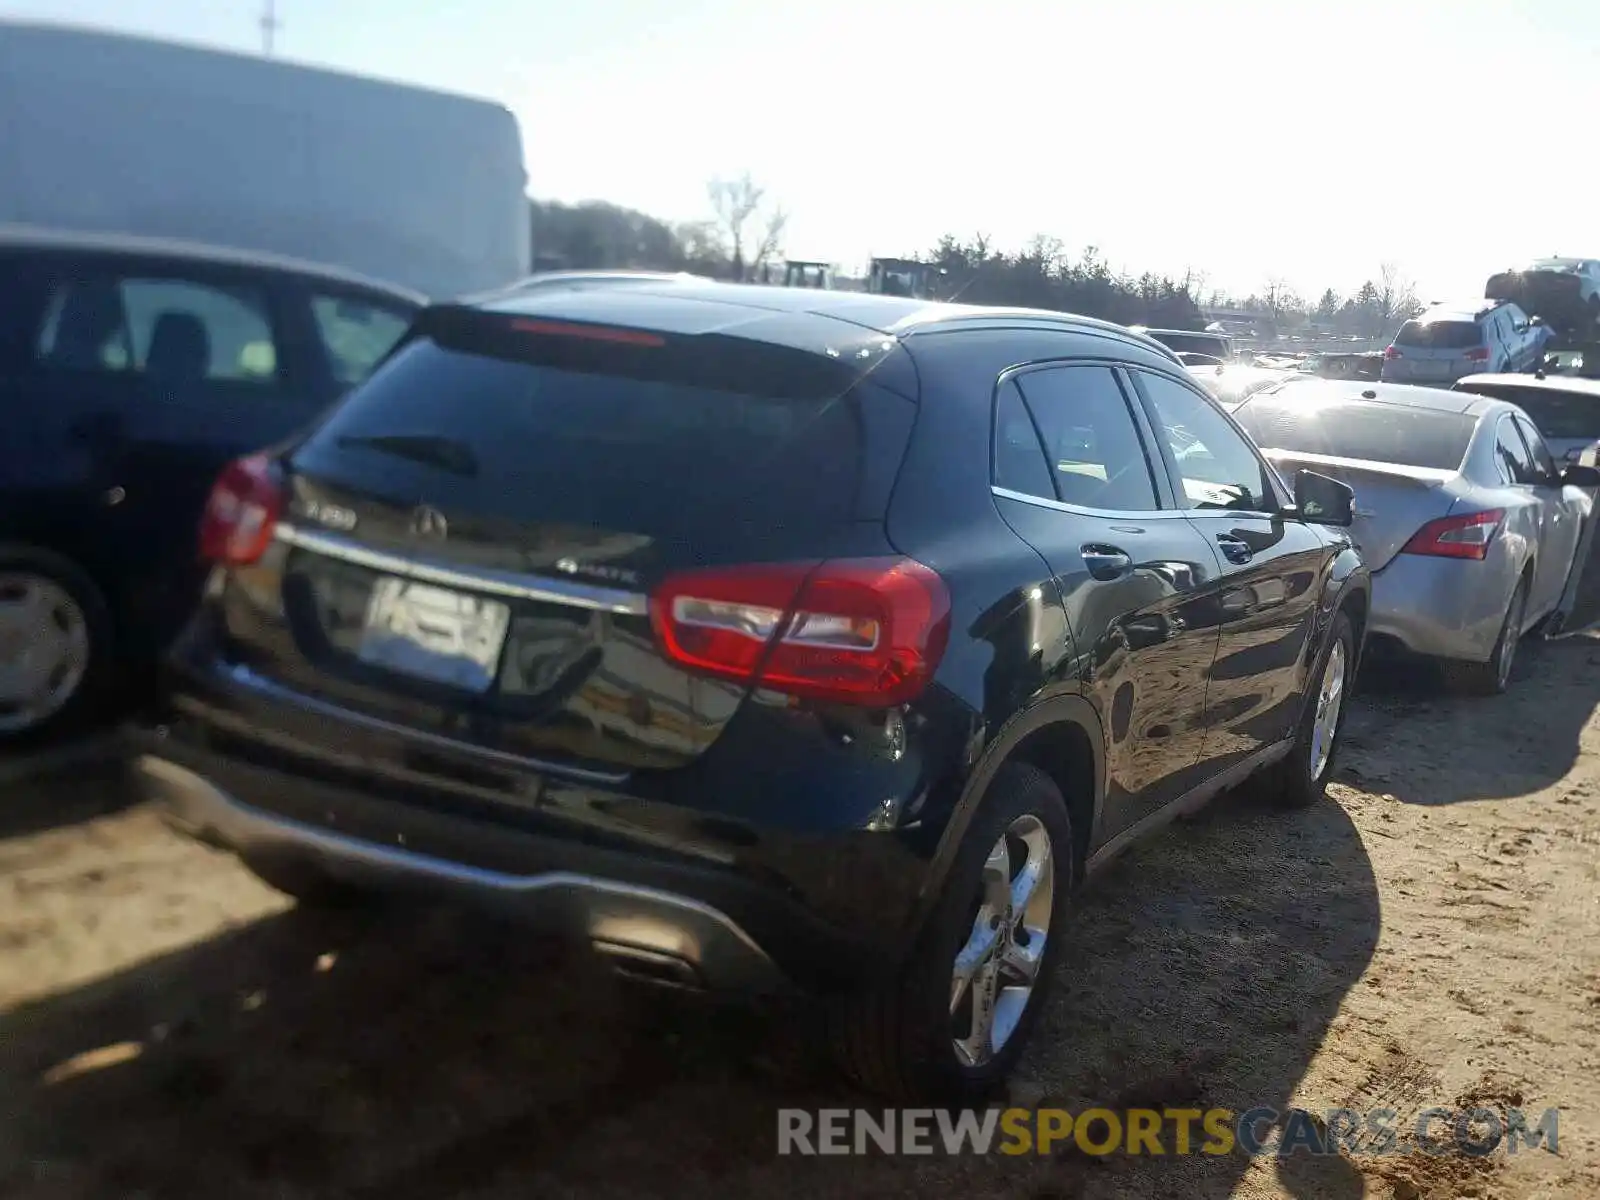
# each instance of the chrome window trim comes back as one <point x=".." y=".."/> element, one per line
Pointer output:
<point x="1137" y="514"/>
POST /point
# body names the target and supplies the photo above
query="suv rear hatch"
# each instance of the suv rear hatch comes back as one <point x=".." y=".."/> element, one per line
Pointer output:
<point x="1436" y="351"/>
<point x="478" y="541"/>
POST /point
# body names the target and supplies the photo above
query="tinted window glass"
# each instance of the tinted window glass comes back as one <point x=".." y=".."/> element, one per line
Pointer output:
<point x="1090" y="438"/>
<point x="1542" y="458"/>
<point x="1218" y="466"/>
<point x="1019" y="461"/>
<point x="1439" y="335"/>
<point x="1557" y="414"/>
<point x="1383" y="433"/>
<point x="1513" y="455"/>
<point x="176" y="330"/>
<point x="647" y="451"/>
<point x="356" y="334"/>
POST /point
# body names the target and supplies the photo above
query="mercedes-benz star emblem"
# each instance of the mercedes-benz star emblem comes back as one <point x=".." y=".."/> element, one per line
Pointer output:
<point x="427" y="522"/>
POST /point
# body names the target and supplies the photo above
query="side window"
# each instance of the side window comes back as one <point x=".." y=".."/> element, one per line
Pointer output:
<point x="1220" y="468"/>
<point x="1019" y="461"/>
<point x="1517" y="464"/>
<point x="1542" y="458"/>
<point x="173" y="330"/>
<point x="356" y="334"/>
<point x="1092" y="448"/>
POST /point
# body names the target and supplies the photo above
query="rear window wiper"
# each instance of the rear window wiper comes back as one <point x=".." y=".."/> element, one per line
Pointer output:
<point x="448" y="454"/>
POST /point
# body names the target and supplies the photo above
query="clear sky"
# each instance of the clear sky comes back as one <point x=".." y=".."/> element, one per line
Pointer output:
<point x="1301" y="140"/>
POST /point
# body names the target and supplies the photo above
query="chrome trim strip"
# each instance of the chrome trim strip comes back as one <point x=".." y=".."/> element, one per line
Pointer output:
<point x="1152" y="514"/>
<point x="498" y="583"/>
<point x="244" y="677"/>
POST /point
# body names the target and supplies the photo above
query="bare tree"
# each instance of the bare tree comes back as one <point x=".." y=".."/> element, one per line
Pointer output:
<point x="737" y="203"/>
<point x="771" y="243"/>
<point x="1394" y="298"/>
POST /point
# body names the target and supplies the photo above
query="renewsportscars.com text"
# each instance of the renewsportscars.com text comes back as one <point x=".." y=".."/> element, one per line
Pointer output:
<point x="1169" y="1131"/>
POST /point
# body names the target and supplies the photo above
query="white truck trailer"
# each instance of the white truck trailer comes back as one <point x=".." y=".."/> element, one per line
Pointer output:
<point x="109" y="133"/>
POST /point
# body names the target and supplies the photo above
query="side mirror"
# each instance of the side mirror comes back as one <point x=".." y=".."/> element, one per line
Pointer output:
<point x="1319" y="500"/>
<point x="1579" y="476"/>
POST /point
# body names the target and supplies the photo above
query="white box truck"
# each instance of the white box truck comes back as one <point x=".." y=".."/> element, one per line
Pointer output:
<point x="109" y="133"/>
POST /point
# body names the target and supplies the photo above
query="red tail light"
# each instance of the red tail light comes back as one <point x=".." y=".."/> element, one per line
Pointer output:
<point x="1478" y="354"/>
<point x="1466" y="536"/>
<point x="243" y="508"/>
<point x="865" y="631"/>
<point x="1392" y="352"/>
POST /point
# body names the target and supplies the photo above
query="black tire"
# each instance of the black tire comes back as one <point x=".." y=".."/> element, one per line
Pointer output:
<point x="1493" y="676"/>
<point x="89" y="699"/>
<point x="898" y="1041"/>
<point x="1291" y="782"/>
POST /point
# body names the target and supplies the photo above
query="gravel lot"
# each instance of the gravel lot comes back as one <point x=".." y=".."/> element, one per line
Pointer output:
<point x="169" y="1029"/>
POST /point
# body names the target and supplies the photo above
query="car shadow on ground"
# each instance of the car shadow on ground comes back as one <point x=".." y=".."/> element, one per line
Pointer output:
<point x="419" y="1055"/>
<point x="1416" y="740"/>
<point x="60" y="785"/>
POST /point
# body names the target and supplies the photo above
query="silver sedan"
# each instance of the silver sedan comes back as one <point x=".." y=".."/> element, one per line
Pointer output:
<point x="1468" y="523"/>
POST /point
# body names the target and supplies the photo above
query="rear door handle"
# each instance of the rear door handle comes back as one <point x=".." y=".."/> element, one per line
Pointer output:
<point x="1234" y="549"/>
<point x="1106" y="562"/>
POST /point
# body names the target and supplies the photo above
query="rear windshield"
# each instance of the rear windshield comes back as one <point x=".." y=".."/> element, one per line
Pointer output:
<point x="1193" y="343"/>
<point x="1384" y="433"/>
<point x="1439" y="335"/>
<point x="1557" y="414"/>
<point x="654" y="452"/>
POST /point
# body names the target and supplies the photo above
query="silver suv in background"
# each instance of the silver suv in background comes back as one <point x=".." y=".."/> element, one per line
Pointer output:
<point x="1448" y="342"/>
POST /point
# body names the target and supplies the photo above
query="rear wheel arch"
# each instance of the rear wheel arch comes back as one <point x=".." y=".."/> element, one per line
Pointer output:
<point x="1357" y="606"/>
<point x="1063" y="738"/>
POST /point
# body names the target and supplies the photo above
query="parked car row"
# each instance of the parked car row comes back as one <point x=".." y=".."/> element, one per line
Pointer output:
<point x="1470" y="526"/>
<point x="775" y="640"/>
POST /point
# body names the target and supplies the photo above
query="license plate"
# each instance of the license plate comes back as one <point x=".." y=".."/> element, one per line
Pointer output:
<point x="434" y="633"/>
<point x="1433" y="370"/>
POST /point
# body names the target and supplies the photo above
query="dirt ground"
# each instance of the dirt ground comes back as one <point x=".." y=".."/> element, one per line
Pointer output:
<point x="169" y="1029"/>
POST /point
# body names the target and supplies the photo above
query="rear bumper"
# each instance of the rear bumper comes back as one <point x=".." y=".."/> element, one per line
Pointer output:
<point x="787" y="913"/>
<point x="1441" y="607"/>
<point x="668" y="937"/>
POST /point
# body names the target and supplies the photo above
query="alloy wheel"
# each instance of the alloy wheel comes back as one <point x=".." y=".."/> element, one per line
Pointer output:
<point x="996" y="971"/>
<point x="1330" y="701"/>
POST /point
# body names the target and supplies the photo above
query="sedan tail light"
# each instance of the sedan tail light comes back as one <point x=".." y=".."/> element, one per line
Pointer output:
<point x="861" y="631"/>
<point x="1478" y="354"/>
<point x="1465" y="536"/>
<point x="1392" y="352"/>
<point x="241" y="512"/>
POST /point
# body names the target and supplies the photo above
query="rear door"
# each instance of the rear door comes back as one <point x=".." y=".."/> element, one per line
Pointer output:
<point x="1078" y="477"/>
<point x="474" y="535"/>
<point x="1523" y="339"/>
<point x="64" y="395"/>
<point x="1561" y="520"/>
<point x="1272" y="571"/>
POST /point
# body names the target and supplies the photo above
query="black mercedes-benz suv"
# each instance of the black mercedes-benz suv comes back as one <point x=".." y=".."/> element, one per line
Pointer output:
<point x="761" y="639"/>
